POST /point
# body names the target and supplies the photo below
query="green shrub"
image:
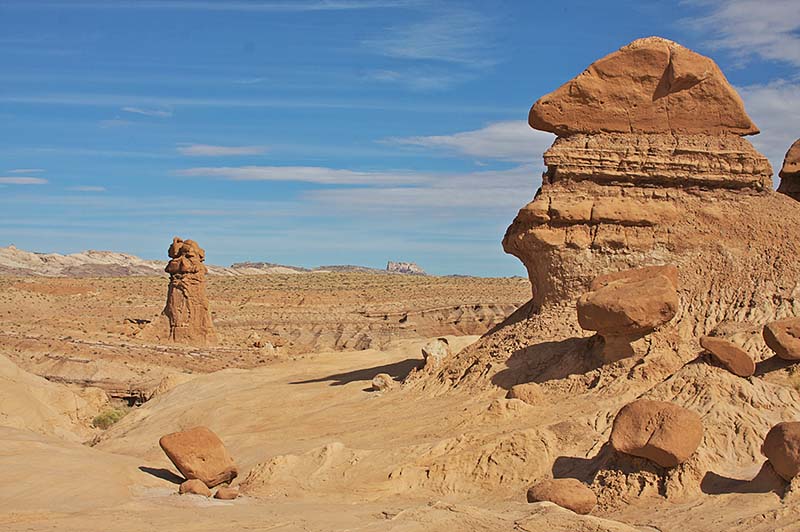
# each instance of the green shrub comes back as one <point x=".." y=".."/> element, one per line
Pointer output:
<point x="108" y="418"/>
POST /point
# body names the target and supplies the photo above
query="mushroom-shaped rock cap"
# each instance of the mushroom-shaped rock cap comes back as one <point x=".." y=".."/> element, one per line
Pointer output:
<point x="652" y="85"/>
<point x="791" y="163"/>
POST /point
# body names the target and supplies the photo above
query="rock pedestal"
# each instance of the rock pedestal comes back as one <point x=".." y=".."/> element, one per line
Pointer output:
<point x="186" y="317"/>
<point x="790" y="172"/>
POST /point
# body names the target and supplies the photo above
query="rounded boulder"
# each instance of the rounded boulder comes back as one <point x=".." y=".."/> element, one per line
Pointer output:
<point x="568" y="493"/>
<point x="782" y="449"/>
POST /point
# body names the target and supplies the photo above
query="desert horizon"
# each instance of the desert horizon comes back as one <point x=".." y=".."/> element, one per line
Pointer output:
<point x="307" y="266"/>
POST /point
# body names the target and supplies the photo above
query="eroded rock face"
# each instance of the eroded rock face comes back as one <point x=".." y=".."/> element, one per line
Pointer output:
<point x="729" y="355"/>
<point x="187" y="303"/>
<point x="664" y="433"/>
<point x="383" y="382"/>
<point x="782" y="449"/>
<point x="198" y="453"/>
<point x="790" y="172"/>
<point x="674" y="90"/>
<point x="783" y="337"/>
<point x="566" y="492"/>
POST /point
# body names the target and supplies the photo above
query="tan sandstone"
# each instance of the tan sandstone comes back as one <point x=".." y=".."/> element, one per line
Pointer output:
<point x="783" y="337"/>
<point x="195" y="487"/>
<point x="661" y="98"/>
<point x="729" y="355"/>
<point x="782" y="449"/>
<point x="198" y="453"/>
<point x="226" y="493"/>
<point x="383" y="382"/>
<point x="664" y="433"/>
<point x="566" y="492"/>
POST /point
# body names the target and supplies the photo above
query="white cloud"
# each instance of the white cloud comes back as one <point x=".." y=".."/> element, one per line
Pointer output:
<point x="87" y="188"/>
<point x="26" y="171"/>
<point x="764" y="28"/>
<point x="417" y="79"/>
<point x="496" y="191"/>
<point x="512" y="140"/>
<point x="208" y="150"/>
<point x="22" y="181"/>
<point x="775" y="108"/>
<point x="158" y="113"/>
<point x="307" y="174"/>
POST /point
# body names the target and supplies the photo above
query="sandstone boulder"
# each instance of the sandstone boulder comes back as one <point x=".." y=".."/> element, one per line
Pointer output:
<point x="198" y="453"/>
<point x="383" y="382"/>
<point x="629" y="305"/>
<point x="729" y="355"/>
<point x="226" y="493"/>
<point x="566" y="492"/>
<point x="194" y="486"/>
<point x="664" y="433"/>
<point x="529" y="392"/>
<point x="782" y="449"/>
<point x="783" y="337"/>
<point x="652" y="85"/>
<point x="435" y="352"/>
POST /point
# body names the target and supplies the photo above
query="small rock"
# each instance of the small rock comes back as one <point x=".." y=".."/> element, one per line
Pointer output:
<point x="664" y="433"/>
<point x="729" y="355"/>
<point x="529" y="392"/>
<point x="226" y="493"/>
<point x="382" y="382"/>
<point x="198" y="453"/>
<point x="568" y="493"/>
<point x="195" y="486"/>
<point x="782" y="449"/>
<point x="783" y="337"/>
<point x="435" y="352"/>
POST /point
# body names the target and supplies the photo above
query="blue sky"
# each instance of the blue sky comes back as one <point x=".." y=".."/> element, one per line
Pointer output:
<point x="314" y="132"/>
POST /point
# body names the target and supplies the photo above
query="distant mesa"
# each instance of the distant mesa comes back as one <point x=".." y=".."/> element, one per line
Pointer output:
<point x="409" y="268"/>
<point x="15" y="261"/>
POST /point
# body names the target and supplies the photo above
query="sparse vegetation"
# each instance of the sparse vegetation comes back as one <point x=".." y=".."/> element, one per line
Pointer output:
<point x="109" y="417"/>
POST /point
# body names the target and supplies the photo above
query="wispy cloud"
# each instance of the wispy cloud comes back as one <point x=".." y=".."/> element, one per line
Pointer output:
<point x="306" y="174"/>
<point x="209" y="150"/>
<point x="193" y="5"/>
<point x="460" y="37"/>
<point x="159" y="113"/>
<point x="768" y="29"/>
<point x="26" y="171"/>
<point x="512" y="140"/>
<point x="22" y="181"/>
<point x="87" y="188"/>
<point x="775" y="108"/>
<point x="418" y="79"/>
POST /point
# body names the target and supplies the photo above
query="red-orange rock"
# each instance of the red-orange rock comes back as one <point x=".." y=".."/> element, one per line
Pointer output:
<point x="198" y="453"/>
<point x="664" y="433"/>
<point x="628" y="306"/>
<point x="729" y="355"/>
<point x="783" y="337"/>
<point x="568" y="493"/>
<point x="782" y="448"/>
<point x="790" y="172"/>
<point x="652" y="85"/>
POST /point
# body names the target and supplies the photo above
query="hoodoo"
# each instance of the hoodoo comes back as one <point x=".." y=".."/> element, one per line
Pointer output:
<point x="790" y="172"/>
<point x="186" y="317"/>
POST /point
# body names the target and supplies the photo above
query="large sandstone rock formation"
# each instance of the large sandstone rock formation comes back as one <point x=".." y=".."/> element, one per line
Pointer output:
<point x="790" y="172"/>
<point x="646" y="193"/>
<point x="186" y="317"/>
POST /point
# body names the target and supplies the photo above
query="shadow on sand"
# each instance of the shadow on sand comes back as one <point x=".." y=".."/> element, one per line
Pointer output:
<point x="547" y="361"/>
<point x="765" y="481"/>
<point x="163" y="474"/>
<point x="398" y="371"/>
